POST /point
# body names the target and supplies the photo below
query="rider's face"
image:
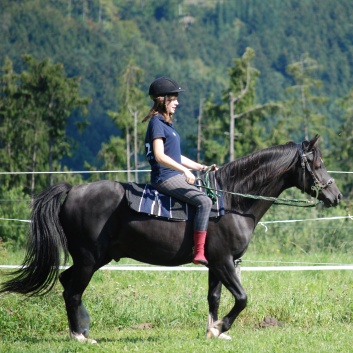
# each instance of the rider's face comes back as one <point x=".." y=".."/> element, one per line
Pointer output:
<point x="172" y="104"/>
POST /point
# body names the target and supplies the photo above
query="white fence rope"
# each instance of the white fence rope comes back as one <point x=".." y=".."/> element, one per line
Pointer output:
<point x="15" y="219"/>
<point x="304" y="220"/>
<point x="187" y="268"/>
<point x="261" y="223"/>
<point x="197" y="268"/>
<point x="79" y="172"/>
<point x="303" y="267"/>
<point x="114" y="171"/>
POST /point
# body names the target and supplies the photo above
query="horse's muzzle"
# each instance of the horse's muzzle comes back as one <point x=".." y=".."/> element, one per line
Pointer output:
<point x="330" y="196"/>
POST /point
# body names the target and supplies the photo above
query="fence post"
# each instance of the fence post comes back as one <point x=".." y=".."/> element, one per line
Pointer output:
<point x="237" y="268"/>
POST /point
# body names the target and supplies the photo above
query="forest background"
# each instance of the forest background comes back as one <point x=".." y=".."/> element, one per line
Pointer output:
<point x="75" y="76"/>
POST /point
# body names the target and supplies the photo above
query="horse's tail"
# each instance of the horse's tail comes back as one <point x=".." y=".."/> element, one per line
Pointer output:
<point x="40" y="269"/>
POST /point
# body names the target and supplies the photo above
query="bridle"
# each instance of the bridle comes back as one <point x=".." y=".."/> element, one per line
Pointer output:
<point x="318" y="185"/>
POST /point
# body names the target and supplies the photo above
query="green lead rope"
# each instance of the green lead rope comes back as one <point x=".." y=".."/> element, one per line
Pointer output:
<point x="206" y="184"/>
<point x="212" y="194"/>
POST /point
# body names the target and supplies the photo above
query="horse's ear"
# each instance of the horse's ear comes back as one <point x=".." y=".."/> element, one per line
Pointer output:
<point x="312" y="143"/>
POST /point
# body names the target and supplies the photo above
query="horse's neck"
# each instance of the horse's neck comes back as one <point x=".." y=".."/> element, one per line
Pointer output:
<point x="253" y="187"/>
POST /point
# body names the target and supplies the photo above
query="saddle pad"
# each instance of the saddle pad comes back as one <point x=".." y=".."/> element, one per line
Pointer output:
<point x="144" y="198"/>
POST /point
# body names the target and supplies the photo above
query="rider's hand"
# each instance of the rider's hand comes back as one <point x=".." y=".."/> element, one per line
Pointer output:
<point x="211" y="168"/>
<point x="189" y="177"/>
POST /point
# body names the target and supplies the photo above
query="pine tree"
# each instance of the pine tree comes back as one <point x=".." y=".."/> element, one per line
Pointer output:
<point x="342" y="144"/>
<point x="304" y="108"/>
<point x="132" y="105"/>
<point x="239" y="117"/>
<point x="11" y="143"/>
<point x="36" y="106"/>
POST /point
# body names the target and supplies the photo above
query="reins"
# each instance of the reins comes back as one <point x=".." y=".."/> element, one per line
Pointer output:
<point x="206" y="184"/>
<point x="212" y="193"/>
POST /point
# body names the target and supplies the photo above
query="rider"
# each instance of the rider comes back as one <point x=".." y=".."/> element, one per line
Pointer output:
<point x="170" y="172"/>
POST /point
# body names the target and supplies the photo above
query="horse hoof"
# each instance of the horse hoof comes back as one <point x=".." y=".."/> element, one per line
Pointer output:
<point x="223" y="336"/>
<point x="213" y="332"/>
<point x="81" y="338"/>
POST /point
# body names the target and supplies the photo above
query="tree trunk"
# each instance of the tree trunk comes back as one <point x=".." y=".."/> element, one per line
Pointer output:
<point x="34" y="162"/>
<point x="136" y="147"/>
<point x="50" y="162"/>
<point x="199" y="137"/>
<point x="305" y="114"/>
<point x="128" y="165"/>
<point x="231" y="127"/>
<point x="68" y="8"/>
<point x="100" y="12"/>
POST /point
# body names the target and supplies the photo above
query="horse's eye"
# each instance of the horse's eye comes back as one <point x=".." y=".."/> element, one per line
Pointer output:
<point x="318" y="164"/>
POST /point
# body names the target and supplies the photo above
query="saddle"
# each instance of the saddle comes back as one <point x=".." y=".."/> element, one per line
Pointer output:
<point x="144" y="198"/>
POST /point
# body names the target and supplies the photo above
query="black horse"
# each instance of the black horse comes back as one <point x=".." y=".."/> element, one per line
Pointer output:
<point x="94" y="223"/>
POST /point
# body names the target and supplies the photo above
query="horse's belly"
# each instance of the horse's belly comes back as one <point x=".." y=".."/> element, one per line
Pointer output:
<point x="155" y="242"/>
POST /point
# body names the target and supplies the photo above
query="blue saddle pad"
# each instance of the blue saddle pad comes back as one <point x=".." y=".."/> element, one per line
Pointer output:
<point x="145" y="199"/>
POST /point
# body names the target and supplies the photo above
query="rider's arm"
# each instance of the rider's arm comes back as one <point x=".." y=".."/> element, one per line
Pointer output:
<point x="187" y="162"/>
<point x="162" y="158"/>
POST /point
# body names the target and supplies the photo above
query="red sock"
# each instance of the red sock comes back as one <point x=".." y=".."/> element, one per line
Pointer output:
<point x="199" y="247"/>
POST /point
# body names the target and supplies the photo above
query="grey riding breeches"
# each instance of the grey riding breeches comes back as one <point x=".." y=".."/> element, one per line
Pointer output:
<point x="178" y="187"/>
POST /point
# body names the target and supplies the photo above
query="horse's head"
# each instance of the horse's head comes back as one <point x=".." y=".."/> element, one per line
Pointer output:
<point x="315" y="179"/>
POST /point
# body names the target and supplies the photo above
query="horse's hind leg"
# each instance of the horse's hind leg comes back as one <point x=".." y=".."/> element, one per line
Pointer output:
<point x="75" y="280"/>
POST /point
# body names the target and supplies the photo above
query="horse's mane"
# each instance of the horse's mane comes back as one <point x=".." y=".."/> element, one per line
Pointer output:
<point x="254" y="173"/>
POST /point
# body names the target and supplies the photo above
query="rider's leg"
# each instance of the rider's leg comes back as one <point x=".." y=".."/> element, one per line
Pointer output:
<point x="177" y="187"/>
<point x="199" y="247"/>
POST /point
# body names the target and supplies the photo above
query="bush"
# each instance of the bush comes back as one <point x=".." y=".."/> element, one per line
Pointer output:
<point x="14" y="212"/>
<point x="304" y="230"/>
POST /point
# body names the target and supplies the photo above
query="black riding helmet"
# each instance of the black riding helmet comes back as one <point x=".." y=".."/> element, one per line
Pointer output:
<point x="163" y="86"/>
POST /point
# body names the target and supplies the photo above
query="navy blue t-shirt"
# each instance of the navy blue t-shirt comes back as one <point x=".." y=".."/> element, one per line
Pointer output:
<point x="159" y="128"/>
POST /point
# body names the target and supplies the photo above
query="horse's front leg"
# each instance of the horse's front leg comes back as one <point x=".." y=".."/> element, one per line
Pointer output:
<point x="213" y="298"/>
<point x="226" y="274"/>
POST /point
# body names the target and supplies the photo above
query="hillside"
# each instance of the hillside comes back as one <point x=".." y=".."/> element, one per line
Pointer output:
<point x="193" y="41"/>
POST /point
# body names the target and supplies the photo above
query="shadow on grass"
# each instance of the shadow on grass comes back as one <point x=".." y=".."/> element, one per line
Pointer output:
<point x="148" y="339"/>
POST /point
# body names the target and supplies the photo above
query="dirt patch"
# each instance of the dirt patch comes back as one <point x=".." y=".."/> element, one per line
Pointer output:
<point x="144" y="326"/>
<point x="269" y="322"/>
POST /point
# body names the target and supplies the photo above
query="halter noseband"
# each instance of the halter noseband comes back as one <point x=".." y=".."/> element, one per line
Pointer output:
<point x="318" y="185"/>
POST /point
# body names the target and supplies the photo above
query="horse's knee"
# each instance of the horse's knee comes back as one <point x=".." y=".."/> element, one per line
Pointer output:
<point x="214" y="298"/>
<point x="241" y="302"/>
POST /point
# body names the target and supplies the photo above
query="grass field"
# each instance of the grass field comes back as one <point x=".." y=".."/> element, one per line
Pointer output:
<point x="309" y="311"/>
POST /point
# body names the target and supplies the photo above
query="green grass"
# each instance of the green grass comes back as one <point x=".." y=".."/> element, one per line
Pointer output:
<point x="167" y="312"/>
